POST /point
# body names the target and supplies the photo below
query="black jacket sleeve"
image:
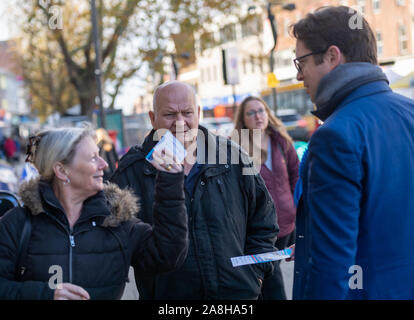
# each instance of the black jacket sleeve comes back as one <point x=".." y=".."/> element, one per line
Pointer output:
<point x="11" y="226"/>
<point x="162" y="247"/>
<point x="262" y="227"/>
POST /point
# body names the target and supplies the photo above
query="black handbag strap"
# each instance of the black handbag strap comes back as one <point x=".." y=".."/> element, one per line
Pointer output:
<point x="23" y="244"/>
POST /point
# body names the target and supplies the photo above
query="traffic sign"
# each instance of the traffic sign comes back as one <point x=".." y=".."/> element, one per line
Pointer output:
<point x="272" y="81"/>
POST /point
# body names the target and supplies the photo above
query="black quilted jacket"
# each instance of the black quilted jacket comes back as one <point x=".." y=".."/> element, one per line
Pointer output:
<point x="104" y="242"/>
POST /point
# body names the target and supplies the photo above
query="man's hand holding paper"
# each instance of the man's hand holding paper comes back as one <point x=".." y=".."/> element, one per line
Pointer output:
<point x="168" y="154"/>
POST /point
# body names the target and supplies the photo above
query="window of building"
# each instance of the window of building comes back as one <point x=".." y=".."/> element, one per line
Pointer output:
<point x="376" y="6"/>
<point x="202" y="75"/>
<point x="244" y="64"/>
<point x="286" y="23"/>
<point x="400" y="2"/>
<point x="252" y="64"/>
<point x="208" y="74"/>
<point x="362" y="6"/>
<point x="3" y="81"/>
<point x="251" y="26"/>
<point x="380" y="44"/>
<point x="260" y="64"/>
<point x="214" y="73"/>
<point x="207" y="41"/>
<point x="403" y="39"/>
<point x="228" y="33"/>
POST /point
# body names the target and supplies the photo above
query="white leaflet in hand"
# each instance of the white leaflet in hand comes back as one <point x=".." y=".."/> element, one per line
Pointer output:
<point x="170" y="143"/>
<point x="261" y="258"/>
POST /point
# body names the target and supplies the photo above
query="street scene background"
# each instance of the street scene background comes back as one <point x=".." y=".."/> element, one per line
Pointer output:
<point x="66" y="62"/>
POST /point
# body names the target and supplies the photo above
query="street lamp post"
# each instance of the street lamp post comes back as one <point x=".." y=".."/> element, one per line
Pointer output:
<point x="271" y="17"/>
<point x="98" y="71"/>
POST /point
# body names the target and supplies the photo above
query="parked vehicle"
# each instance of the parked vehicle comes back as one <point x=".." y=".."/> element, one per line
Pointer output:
<point x="8" y="201"/>
<point x="136" y="128"/>
<point x="220" y="126"/>
<point x="296" y="126"/>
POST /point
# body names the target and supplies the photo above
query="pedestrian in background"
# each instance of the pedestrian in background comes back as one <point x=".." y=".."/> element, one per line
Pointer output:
<point x="230" y="213"/>
<point x="16" y="156"/>
<point x="10" y="149"/>
<point x="355" y="216"/>
<point x="2" y="138"/>
<point x="278" y="165"/>
<point x="85" y="230"/>
<point x="107" y="152"/>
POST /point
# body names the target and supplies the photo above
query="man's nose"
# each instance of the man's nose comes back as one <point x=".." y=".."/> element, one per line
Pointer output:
<point x="180" y="117"/>
<point x="299" y="76"/>
<point x="179" y="125"/>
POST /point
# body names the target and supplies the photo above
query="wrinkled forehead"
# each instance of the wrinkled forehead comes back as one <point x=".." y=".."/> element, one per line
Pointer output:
<point x="174" y="95"/>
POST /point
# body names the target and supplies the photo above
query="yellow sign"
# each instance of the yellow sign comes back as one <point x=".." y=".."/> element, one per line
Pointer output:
<point x="272" y="81"/>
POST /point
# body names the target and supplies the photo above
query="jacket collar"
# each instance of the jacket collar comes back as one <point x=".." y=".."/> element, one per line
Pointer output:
<point x="114" y="204"/>
<point x="208" y="148"/>
<point x="338" y="84"/>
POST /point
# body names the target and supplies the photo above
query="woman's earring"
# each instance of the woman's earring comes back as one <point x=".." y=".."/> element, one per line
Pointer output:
<point x="66" y="182"/>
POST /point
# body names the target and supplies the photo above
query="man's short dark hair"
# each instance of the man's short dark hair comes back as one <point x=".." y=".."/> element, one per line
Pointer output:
<point x="339" y="26"/>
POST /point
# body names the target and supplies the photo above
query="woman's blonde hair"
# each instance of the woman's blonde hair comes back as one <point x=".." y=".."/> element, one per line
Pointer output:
<point x="274" y="124"/>
<point x="55" y="145"/>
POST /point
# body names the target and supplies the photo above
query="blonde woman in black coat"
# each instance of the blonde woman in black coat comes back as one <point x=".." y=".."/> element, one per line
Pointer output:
<point x="84" y="235"/>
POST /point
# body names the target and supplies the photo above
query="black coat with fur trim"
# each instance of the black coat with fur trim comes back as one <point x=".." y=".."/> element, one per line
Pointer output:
<point x="103" y="243"/>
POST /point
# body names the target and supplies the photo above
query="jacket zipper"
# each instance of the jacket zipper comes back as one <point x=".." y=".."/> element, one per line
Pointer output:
<point x="71" y="235"/>
<point x="72" y="245"/>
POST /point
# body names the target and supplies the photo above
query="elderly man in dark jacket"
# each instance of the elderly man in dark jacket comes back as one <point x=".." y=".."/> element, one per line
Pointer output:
<point x="230" y="211"/>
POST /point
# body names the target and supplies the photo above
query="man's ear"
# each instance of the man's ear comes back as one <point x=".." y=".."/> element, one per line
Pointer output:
<point x="152" y="118"/>
<point x="60" y="171"/>
<point x="198" y="109"/>
<point x="335" y="56"/>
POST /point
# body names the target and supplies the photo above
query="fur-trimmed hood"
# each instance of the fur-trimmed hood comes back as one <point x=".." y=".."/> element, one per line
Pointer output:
<point x="122" y="204"/>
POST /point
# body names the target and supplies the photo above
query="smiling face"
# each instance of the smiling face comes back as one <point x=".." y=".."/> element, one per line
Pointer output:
<point x="255" y="115"/>
<point x="311" y="73"/>
<point x="85" y="171"/>
<point x="176" y="111"/>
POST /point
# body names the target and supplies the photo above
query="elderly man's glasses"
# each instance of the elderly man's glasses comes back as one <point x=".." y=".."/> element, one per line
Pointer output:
<point x="296" y="61"/>
<point x="252" y="113"/>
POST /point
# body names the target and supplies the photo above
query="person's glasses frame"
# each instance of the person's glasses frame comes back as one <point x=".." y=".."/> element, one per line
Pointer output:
<point x="252" y="113"/>
<point x="296" y="61"/>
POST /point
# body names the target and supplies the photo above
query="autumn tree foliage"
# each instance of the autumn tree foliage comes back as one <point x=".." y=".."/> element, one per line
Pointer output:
<point x="57" y="54"/>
